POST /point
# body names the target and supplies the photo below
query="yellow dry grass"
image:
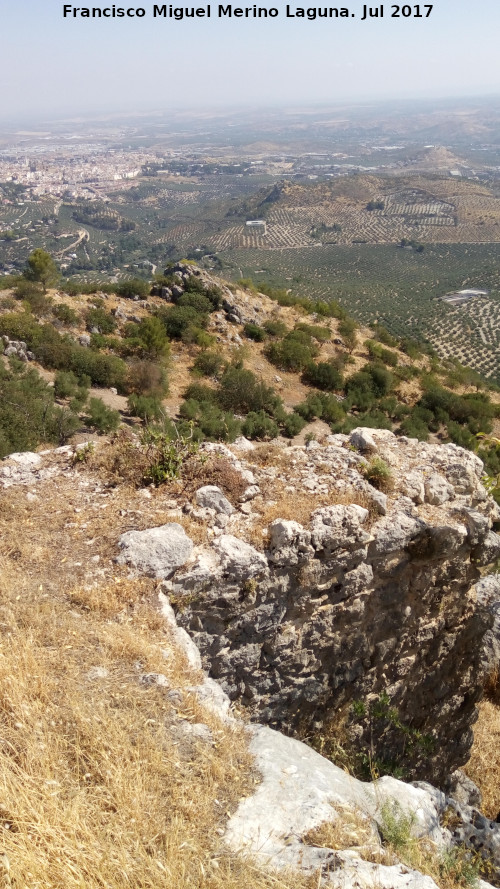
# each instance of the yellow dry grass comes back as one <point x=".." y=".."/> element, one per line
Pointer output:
<point x="484" y="763"/>
<point x="96" y="793"/>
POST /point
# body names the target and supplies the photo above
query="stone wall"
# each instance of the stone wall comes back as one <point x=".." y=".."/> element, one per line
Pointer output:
<point x="372" y="607"/>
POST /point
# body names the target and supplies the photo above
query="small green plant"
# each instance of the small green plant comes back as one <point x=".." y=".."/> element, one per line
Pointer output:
<point x="167" y="452"/>
<point x="83" y="454"/>
<point x="378" y="473"/>
<point x="396" y="827"/>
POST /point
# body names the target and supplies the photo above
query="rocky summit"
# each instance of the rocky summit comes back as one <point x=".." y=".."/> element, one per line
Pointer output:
<point x="337" y="591"/>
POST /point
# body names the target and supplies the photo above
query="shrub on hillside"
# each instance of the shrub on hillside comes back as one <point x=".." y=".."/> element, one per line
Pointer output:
<point x="209" y="364"/>
<point x="100" y="319"/>
<point x="100" y="417"/>
<point x="65" y="314"/>
<point x="275" y="328"/>
<point x="147" y="378"/>
<point x="179" y="320"/>
<point x="153" y="338"/>
<point x="254" y="332"/>
<point x="28" y="415"/>
<point x="197" y="301"/>
<point x="321" y="334"/>
<point x="133" y="287"/>
<point x="319" y="405"/>
<point x="68" y="385"/>
<point x="293" y="353"/>
<point x="241" y="391"/>
<point x="259" y="425"/>
<point x="322" y="376"/>
<point x="147" y="407"/>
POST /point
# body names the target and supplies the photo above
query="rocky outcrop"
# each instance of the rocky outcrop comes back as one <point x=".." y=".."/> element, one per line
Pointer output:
<point x="365" y="614"/>
<point x="488" y="596"/>
<point x="16" y="349"/>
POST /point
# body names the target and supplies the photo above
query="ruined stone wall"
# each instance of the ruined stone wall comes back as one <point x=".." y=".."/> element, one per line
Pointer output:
<point x="367" y="606"/>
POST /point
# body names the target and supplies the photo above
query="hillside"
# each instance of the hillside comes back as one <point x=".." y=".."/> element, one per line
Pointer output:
<point x="219" y="360"/>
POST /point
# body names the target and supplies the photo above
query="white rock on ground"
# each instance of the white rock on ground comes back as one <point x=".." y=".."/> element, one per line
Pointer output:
<point x="156" y="552"/>
<point x="299" y="791"/>
<point x="211" y="497"/>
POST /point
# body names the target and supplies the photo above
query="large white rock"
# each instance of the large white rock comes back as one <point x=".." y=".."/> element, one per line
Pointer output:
<point x="299" y="791"/>
<point x="156" y="552"/>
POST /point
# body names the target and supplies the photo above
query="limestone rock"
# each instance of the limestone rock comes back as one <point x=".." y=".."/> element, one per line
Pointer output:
<point x="299" y="791"/>
<point x="240" y="561"/>
<point x="211" y="497"/>
<point x="156" y="552"/>
<point x="488" y="596"/>
<point x="463" y="790"/>
<point x="338" y="527"/>
<point x="437" y="489"/>
<point x="289" y="542"/>
<point x="363" y="440"/>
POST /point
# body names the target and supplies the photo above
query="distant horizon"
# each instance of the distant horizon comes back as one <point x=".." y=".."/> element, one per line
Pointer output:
<point x="222" y="109"/>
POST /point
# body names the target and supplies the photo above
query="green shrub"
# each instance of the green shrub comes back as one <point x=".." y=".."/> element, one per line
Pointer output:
<point x="292" y="424"/>
<point x="153" y="337"/>
<point x="147" y="407"/>
<point x="293" y="353"/>
<point x="254" y="332"/>
<point x="383" y="336"/>
<point x="209" y="420"/>
<point x="321" y="334"/>
<point x="330" y="309"/>
<point x="65" y="314"/>
<point x="275" y="328"/>
<point x="378" y="473"/>
<point x="180" y="319"/>
<point x="100" y="417"/>
<point x="322" y="376"/>
<point x="133" y="287"/>
<point x="348" y="331"/>
<point x="209" y="364"/>
<point x="241" y="391"/>
<point x="259" y="425"/>
<point x="197" y="301"/>
<point x="68" y="385"/>
<point x="202" y="393"/>
<point x="319" y="405"/>
<point x="28" y="415"/>
<point x="378" y="352"/>
<point x="102" y="320"/>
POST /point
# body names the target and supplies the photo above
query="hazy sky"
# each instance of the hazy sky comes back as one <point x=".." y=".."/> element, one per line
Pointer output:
<point x="55" y="65"/>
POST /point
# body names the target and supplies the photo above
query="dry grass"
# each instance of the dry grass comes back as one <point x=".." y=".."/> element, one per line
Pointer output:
<point x="351" y="830"/>
<point x="484" y="764"/>
<point x="283" y="505"/>
<point x="95" y="792"/>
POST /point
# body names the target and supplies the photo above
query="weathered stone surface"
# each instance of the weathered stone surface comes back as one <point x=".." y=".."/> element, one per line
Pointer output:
<point x="351" y="605"/>
<point x="437" y="489"/>
<point x="299" y="791"/>
<point x="156" y="552"/>
<point x="338" y="527"/>
<point x="239" y="560"/>
<point x="488" y="596"/>
<point x="463" y="790"/>
<point x="363" y="440"/>
<point x="211" y="497"/>
<point x="289" y="542"/>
